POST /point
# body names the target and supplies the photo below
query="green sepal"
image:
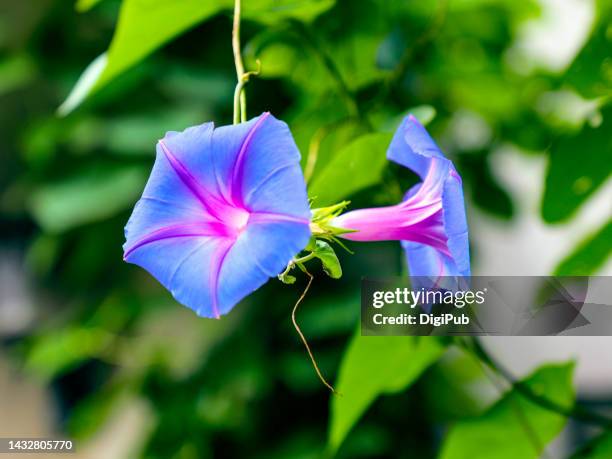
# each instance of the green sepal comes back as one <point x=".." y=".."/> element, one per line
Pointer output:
<point x="325" y="213"/>
<point x="321" y="224"/>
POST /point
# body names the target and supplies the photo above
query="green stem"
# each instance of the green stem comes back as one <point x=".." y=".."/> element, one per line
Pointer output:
<point x="299" y="331"/>
<point x="239" y="103"/>
<point x="239" y="93"/>
<point x="516" y="407"/>
<point x="304" y="259"/>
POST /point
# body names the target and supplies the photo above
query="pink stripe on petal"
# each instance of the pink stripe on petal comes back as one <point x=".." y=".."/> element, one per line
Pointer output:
<point x="271" y="217"/>
<point x="212" y="204"/>
<point x="235" y="180"/>
<point x="215" y="269"/>
<point x="178" y="231"/>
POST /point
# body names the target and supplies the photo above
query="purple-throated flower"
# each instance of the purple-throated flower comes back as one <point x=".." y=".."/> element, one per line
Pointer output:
<point x="224" y="210"/>
<point x="430" y="221"/>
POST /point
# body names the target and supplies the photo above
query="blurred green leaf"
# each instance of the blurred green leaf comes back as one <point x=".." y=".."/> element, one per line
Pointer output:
<point x="388" y="122"/>
<point x="357" y="166"/>
<point x="303" y="54"/>
<point x="90" y="195"/>
<point x="456" y="387"/>
<point x="485" y="191"/>
<point x="90" y="415"/>
<point x="145" y="25"/>
<point x="279" y="53"/>
<point x="373" y="366"/>
<point x="60" y="350"/>
<point x="515" y="427"/>
<point x="16" y="72"/>
<point x="598" y="448"/>
<point x="590" y="254"/>
<point x="138" y="134"/>
<point x="85" y="5"/>
<point x="424" y="113"/>
<point x="154" y="340"/>
<point x="591" y="71"/>
<point x="271" y="11"/>
<point x="322" y="130"/>
<point x="43" y="254"/>
<point x="577" y="166"/>
<point x="82" y="88"/>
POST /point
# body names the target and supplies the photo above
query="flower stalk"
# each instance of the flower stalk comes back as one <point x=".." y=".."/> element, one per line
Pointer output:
<point x="239" y="94"/>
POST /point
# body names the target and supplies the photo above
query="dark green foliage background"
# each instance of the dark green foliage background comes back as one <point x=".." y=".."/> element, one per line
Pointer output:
<point x="336" y="71"/>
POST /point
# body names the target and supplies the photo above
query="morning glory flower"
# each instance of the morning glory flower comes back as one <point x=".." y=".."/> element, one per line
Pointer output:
<point x="430" y="221"/>
<point x="224" y="210"/>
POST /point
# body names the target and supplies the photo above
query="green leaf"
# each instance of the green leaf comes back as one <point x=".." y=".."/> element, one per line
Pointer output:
<point x="90" y="195"/>
<point x="60" y="350"/>
<point x="577" y="167"/>
<point x="591" y="70"/>
<point x="84" y="85"/>
<point x="271" y="11"/>
<point x="315" y="59"/>
<point x="485" y="191"/>
<point x="373" y="366"/>
<point x="331" y="265"/>
<point x="599" y="448"/>
<point x="90" y="415"/>
<point x="590" y="254"/>
<point x="515" y="426"/>
<point x="85" y="5"/>
<point x="358" y="165"/>
<point x="388" y="121"/>
<point x="16" y="72"/>
<point x="145" y="25"/>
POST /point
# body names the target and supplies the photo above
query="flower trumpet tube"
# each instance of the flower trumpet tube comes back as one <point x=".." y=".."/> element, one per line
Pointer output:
<point x="431" y="220"/>
<point x="224" y="210"/>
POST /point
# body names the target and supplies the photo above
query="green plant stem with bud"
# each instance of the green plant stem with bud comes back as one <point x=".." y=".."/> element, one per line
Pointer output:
<point x="240" y="108"/>
<point x="323" y="232"/>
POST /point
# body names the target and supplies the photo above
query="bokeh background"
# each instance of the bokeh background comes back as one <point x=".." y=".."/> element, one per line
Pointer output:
<point x="517" y="93"/>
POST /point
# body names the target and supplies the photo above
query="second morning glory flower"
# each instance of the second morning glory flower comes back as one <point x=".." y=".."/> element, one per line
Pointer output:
<point x="224" y="210"/>
<point x="430" y="221"/>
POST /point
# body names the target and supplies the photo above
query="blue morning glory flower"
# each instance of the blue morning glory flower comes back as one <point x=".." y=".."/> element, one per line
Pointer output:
<point x="224" y="210"/>
<point x="431" y="220"/>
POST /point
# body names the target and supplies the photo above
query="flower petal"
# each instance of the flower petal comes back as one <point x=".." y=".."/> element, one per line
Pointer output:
<point x="192" y="148"/>
<point x="262" y="251"/>
<point x="166" y="201"/>
<point x="412" y="147"/>
<point x="188" y="267"/>
<point x="270" y="173"/>
<point x="229" y="147"/>
<point x="212" y="229"/>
